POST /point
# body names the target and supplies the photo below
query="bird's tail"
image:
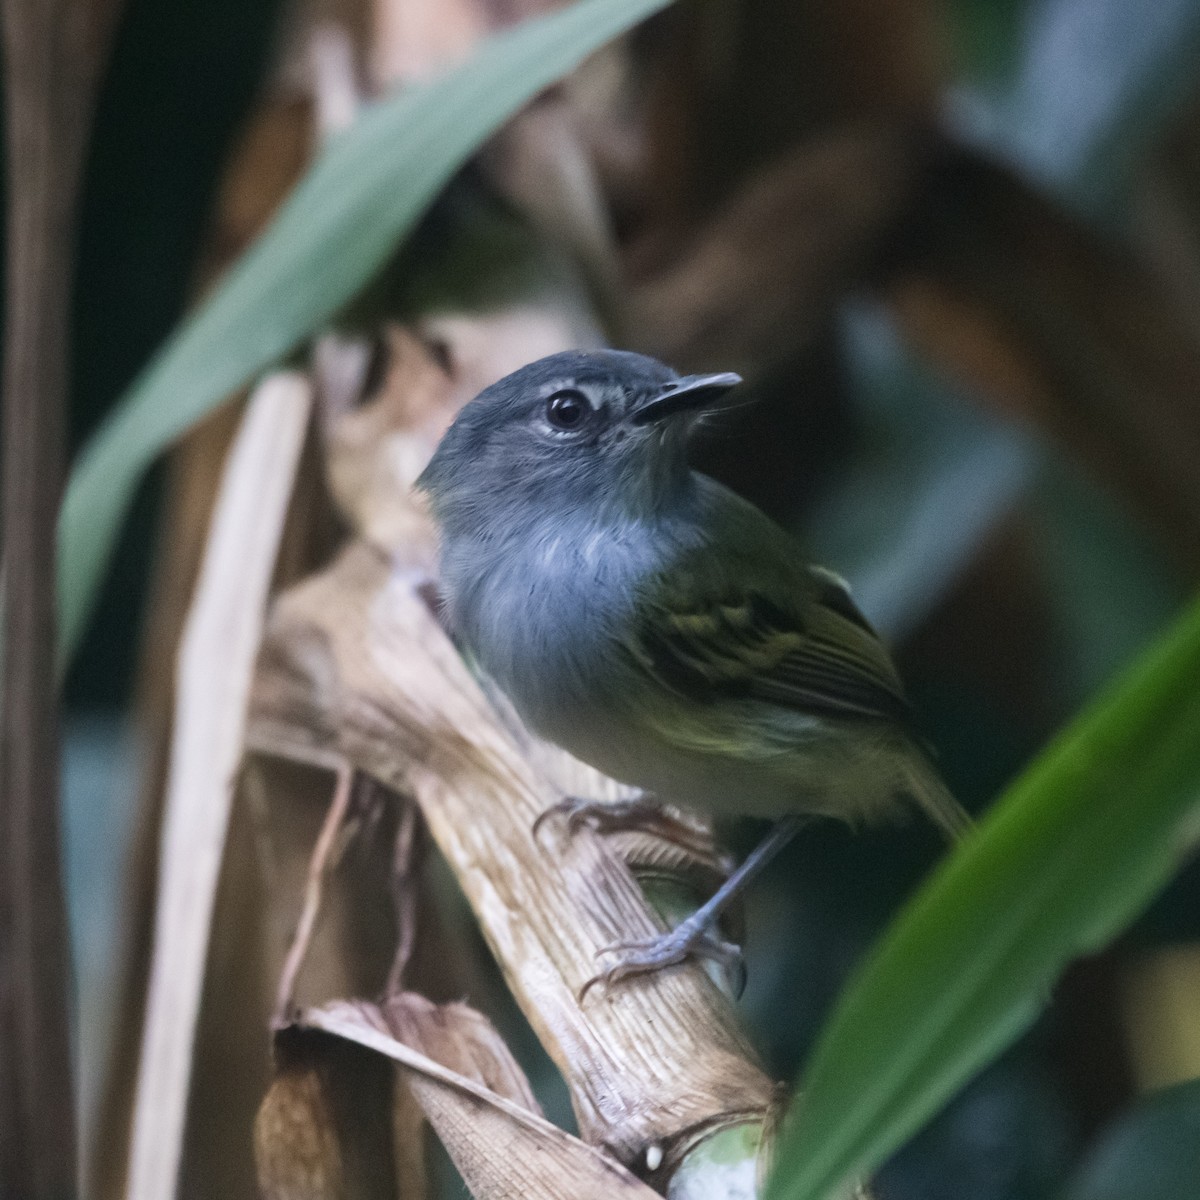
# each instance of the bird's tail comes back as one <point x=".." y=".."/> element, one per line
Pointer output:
<point x="925" y="785"/>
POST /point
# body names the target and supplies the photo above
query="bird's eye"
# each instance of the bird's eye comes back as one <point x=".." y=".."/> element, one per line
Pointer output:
<point x="567" y="409"/>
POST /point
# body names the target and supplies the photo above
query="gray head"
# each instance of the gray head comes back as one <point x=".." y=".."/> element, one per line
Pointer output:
<point x="595" y="430"/>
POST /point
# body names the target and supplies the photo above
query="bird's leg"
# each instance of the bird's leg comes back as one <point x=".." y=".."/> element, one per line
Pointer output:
<point x="641" y="812"/>
<point x="693" y="936"/>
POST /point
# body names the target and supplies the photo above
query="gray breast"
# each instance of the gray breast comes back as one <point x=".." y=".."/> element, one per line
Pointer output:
<point x="543" y="614"/>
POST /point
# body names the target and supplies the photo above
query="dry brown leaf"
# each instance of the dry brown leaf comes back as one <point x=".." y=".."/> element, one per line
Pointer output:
<point x="414" y="39"/>
<point x="315" y="1139"/>
<point x="322" y="1131"/>
<point x="295" y="1143"/>
<point x="459" y="1038"/>
<point x="369" y="471"/>
<point x="503" y="1149"/>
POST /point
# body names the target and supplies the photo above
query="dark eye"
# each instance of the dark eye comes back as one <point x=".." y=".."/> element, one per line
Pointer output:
<point x="567" y="409"/>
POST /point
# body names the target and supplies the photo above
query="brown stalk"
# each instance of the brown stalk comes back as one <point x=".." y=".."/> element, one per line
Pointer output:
<point x="322" y="862"/>
<point x="215" y="663"/>
<point x="52" y="56"/>
<point x="406" y="858"/>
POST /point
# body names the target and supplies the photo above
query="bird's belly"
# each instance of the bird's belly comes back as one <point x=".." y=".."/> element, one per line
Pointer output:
<point x="828" y="770"/>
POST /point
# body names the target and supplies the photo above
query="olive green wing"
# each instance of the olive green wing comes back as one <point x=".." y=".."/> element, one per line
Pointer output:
<point x="811" y="651"/>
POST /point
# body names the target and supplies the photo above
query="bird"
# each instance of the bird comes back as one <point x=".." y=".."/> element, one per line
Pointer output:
<point x="659" y="627"/>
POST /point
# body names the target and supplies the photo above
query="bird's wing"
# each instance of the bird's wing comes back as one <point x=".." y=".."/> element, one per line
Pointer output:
<point x="811" y="652"/>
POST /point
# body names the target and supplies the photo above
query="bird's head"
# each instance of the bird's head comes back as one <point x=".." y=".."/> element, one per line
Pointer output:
<point x="593" y="430"/>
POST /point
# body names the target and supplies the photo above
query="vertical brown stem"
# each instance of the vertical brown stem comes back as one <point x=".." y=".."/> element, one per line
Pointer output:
<point x="51" y="49"/>
<point x="319" y="866"/>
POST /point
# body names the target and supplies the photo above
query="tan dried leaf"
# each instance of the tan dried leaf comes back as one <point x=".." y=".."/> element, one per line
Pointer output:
<point x="216" y="661"/>
<point x="503" y="1150"/>
<point x="461" y="1039"/>
<point x="322" y="1129"/>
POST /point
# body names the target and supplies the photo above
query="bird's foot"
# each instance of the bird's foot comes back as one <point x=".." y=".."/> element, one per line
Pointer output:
<point x="693" y="938"/>
<point x="641" y="812"/>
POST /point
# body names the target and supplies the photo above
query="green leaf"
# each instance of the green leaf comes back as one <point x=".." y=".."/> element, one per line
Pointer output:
<point x="359" y="200"/>
<point x="1073" y="851"/>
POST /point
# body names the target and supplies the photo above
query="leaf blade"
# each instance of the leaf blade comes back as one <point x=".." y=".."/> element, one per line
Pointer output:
<point x="1062" y="862"/>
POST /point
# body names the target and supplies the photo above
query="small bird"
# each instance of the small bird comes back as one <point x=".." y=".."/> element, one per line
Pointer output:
<point x="656" y="625"/>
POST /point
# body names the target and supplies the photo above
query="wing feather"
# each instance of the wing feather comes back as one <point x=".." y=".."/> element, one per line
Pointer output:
<point x="816" y="654"/>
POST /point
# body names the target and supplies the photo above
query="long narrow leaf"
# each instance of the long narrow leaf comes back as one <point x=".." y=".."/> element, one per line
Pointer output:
<point x="340" y="224"/>
<point x="1074" y="850"/>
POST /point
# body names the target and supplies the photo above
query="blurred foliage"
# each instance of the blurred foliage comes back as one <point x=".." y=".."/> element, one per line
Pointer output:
<point x="930" y="478"/>
<point x="1085" y="95"/>
<point x="988" y="36"/>
<point x="1152" y="1153"/>
<point x="1005" y="1139"/>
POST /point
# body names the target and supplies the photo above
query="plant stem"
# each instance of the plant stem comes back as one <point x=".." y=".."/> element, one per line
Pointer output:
<point x="51" y="51"/>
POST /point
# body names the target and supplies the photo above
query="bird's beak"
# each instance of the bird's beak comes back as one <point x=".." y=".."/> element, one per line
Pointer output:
<point x="683" y="395"/>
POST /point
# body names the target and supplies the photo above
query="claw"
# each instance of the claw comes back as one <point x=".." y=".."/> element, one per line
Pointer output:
<point x="614" y="816"/>
<point x="688" y="940"/>
<point x="692" y="936"/>
<point x="573" y="808"/>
